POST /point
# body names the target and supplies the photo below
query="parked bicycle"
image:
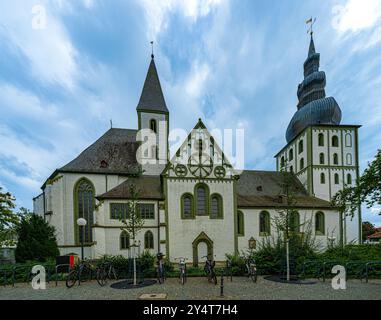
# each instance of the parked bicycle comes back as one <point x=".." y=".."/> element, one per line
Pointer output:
<point x="160" y="268"/>
<point x="209" y="269"/>
<point x="105" y="272"/>
<point x="183" y="269"/>
<point x="82" y="272"/>
<point x="251" y="268"/>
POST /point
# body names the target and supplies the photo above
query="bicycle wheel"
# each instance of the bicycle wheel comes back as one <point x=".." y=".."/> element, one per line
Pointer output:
<point x="113" y="273"/>
<point x="160" y="277"/>
<point x="214" y="278"/>
<point x="72" y="278"/>
<point x="101" y="277"/>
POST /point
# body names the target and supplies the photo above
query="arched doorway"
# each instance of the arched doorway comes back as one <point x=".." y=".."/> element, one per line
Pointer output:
<point x="202" y="246"/>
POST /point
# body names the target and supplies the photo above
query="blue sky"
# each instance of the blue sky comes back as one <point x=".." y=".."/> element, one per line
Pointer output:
<point x="236" y="64"/>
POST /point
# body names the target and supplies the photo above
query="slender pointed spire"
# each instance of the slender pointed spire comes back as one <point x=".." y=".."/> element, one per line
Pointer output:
<point x="152" y="98"/>
<point x="311" y="50"/>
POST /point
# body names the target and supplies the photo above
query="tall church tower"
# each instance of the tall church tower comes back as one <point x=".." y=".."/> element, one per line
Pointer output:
<point x="321" y="151"/>
<point x="153" y="114"/>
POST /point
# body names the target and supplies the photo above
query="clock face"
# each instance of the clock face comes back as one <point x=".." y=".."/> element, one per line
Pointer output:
<point x="200" y="165"/>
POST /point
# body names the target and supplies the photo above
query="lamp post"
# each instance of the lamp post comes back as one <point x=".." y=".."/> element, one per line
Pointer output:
<point x="288" y="258"/>
<point x="82" y="223"/>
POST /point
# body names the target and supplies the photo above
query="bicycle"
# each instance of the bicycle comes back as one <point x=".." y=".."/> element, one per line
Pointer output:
<point x="183" y="270"/>
<point x="251" y="268"/>
<point x="79" y="273"/>
<point x="209" y="270"/>
<point x="160" y="268"/>
<point x="106" y="271"/>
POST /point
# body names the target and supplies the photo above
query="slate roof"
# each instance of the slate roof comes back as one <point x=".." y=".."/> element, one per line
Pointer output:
<point x="263" y="189"/>
<point x="152" y="97"/>
<point x="113" y="153"/>
<point x="148" y="187"/>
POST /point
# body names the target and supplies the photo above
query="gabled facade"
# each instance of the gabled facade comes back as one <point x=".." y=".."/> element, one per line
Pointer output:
<point x="195" y="204"/>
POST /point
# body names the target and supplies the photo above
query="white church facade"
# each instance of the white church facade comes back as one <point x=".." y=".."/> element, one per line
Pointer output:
<point x="196" y="203"/>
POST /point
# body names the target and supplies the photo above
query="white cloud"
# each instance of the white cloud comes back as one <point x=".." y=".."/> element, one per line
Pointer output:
<point x="157" y="12"/>
<point x="49" y="50"/>
<point x="356" y="15"/>
<point x="198" y="76"/>
<point x="375" y="210"/>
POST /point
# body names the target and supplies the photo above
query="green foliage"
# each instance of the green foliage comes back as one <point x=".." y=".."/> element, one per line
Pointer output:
<point x="147" y="260"/>
<point x="367" y="229"/>
<point x="36" y="240"/>
<point x="8" y="219"/>
<point x="135" y="223"/>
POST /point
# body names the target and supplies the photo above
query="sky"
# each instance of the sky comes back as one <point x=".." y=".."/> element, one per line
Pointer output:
<point x="68" y="67"/>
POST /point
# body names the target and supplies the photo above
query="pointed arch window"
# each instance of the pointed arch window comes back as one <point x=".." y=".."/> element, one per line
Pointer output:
<point x="84" y="208"/>
<point x="335" y="141"/>
<point x="321" y="140"/>
<point x="240" y="224"/>
<point x="322" y="178"/>
<point x="153" y="125"/>
<point x="335" y="159"/>
<point x="264" y="223"/>
<point x="124" y="240"/>
<point x="319" y="223"/>
<point x="216" y="206"/>
<point x="148" y="240"/>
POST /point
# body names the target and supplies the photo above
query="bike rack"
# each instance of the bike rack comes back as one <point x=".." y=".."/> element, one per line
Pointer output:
<point x="369" y="266"/>
<point x="61" y="273"/>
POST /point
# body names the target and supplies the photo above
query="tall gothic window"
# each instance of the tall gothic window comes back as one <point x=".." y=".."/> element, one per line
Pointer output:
<point x="335" y="159"/>
<point x="264" y="223"/>
<point x="348" y="140"/>
<point x="187" y="206"/>
<point x="148" y="240"/>
<point x="349" y="179"/>
<point x="301" y="164"/>
<point x="319" y="223"/>
<point x="124" y="241"/>
<point x="282" y="162"/>
<point x="216" y="207"/>
<point x="202" y="202"/>
<point x="335" y="141"/>
<point x="84" y="208"/>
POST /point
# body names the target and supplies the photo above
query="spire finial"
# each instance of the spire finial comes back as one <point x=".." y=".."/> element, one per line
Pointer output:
<point x="311" y="22"/>
<point x="152" y="55"/>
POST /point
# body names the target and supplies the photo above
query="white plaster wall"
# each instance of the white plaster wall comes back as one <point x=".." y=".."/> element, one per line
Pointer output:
<point x="182" y="233"/>
<point x="251" y="218"/>
<point x="38" y="205"/>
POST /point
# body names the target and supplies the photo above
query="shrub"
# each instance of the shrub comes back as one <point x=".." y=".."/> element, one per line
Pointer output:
<point x="36" y="240"/>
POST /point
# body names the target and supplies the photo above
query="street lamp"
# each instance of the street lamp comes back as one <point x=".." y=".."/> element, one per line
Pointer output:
<point x="82" y="223"/>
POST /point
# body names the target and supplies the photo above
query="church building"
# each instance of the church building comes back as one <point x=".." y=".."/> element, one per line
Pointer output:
<point x="196" y="203"/>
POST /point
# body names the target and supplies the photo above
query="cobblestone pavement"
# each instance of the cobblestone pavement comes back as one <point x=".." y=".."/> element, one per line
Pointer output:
<point x="199" y="288"/>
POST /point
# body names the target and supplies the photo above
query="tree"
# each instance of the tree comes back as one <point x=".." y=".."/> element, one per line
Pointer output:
<point x="36" y="239"/>
<point x="133" y="223"/>
<point x="8" y="219"/>
<point x="367" y="229"/>
<point x="369" y="185"/>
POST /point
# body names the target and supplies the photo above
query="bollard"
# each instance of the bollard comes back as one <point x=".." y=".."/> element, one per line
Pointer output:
<point x="222" y="286"/>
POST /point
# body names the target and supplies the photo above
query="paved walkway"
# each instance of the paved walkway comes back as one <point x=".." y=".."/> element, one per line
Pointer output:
<point x="199" y="288"/>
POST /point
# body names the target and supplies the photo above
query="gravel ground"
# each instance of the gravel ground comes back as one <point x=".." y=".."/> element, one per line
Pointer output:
<point x="199" y="288"/>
